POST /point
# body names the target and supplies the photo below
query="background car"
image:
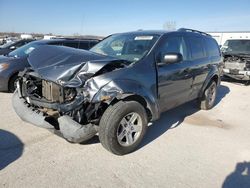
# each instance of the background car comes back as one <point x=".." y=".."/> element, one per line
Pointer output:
<point x="16" y="61"/>
<point x="8" y="47"/>
<point x="236" y="53"/>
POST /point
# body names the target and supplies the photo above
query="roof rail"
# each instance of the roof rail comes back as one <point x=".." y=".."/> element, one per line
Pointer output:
<point x="192" y="30"/>
<point x="74" y="38"/>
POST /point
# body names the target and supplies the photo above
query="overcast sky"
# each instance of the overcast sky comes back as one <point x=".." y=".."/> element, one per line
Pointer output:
<point x="104" y="17"/>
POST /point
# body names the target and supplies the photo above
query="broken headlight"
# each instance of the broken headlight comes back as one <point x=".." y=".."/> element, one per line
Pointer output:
<point x="69" y="94"/>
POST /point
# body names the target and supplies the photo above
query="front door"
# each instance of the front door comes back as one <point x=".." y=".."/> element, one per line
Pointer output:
<point x="174" y="80"/>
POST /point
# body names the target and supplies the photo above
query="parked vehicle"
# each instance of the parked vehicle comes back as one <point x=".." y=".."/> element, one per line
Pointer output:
<point x="222" y="37"/>
<point x="9" y="39"/>
<point x="118" y="86"/>
<point x="8" y="47"/>
<point x="237" y="59"/>
<point x="16" y="61"/>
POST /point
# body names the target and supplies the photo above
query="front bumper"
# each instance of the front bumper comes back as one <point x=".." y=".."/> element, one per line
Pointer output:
<point x="67" y="127"/>
<point x="238" y="74"/>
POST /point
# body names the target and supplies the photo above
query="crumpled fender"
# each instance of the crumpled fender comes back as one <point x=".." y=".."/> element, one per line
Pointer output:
<point x="121" y="89"/>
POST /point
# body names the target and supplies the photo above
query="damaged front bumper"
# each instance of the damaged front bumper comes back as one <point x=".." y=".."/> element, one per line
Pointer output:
<point x="65" y="126"/>
<point x="237" y="74"/>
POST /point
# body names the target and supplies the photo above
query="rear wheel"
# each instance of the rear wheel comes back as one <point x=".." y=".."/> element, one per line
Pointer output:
<point x="209" y="96"/>
<point x="122" y="127"/>
<point x="13" y="83"/>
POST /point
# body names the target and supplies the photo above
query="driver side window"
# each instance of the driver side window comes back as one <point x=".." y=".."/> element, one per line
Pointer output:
<point x="175" y="44"/>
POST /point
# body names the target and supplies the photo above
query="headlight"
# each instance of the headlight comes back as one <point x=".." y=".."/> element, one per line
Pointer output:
<point x="3" y="66"/>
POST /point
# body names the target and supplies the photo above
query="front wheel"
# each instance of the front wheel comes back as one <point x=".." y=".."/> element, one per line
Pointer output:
<point x="13" y="83"/>
<point x="209" y="96"/>
<point x="122" y="127"/>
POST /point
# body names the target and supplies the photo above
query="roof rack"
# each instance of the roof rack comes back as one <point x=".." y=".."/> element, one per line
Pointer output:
<point x="192" y="30"/>
<point x="74" y="38"/>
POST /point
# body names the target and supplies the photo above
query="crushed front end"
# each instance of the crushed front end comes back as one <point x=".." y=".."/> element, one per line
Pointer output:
<point x="62" y="110"/>
<point x="57" y="93"/>
<point x="237" y="66"/>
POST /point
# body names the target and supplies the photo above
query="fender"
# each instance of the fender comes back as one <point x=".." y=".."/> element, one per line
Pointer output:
<point x="121" y="89"/>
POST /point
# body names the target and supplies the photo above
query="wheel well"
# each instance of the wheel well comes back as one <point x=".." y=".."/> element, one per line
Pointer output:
<point x="215" y="78"/>
<point x="12" y="76"/>
<point x="140" y="100"/>
<point x="103" y="106"/>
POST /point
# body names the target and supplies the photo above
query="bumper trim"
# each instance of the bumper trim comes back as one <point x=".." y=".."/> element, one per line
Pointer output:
<point x="242" y="75"/>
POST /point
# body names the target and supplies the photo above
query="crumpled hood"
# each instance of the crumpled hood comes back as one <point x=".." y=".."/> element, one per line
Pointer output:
<point x="65" y="65"/>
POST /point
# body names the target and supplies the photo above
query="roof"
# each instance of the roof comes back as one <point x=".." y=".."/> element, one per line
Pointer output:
<point x="46" y="41"/>
<point x="162" y="32"/>
<point x="147" y="32"/>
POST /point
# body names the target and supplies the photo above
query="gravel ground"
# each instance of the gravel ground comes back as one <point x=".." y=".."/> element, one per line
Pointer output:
<point x="185" y="148"/>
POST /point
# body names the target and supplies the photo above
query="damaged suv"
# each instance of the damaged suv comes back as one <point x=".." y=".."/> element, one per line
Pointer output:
<point x="236" y="54"/>
<point x="118" y="86"/>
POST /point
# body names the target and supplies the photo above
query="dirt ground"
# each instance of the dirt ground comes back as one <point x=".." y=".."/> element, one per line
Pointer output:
<point x="187" y="147"/>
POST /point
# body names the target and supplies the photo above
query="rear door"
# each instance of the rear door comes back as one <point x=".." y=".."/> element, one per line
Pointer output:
<point x="199" y="62"/>
<point x="174" y="80"/>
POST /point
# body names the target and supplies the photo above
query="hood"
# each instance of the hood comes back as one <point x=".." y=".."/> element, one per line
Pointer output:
<point x="5" y="59"/>
<point x="244" y="55"/>
<point x="68" y="66"/>
<point x="240" y="58"/>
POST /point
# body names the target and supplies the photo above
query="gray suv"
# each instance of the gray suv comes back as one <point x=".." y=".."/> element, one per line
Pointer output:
<point x="121" y="84"/>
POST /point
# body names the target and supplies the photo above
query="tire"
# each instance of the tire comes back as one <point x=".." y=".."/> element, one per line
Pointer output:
<point x="247" y="83"/>
<point x="12" y="82"/>
<point x="116" y="123"/>
<point x="208" y="98"/>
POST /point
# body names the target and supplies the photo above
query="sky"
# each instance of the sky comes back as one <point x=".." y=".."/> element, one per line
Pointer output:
<point x="104" y="17"/>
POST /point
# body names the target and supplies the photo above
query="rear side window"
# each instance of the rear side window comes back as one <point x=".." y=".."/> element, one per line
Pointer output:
<point x="197" y="48"/>
<point x="72" y="44"/>
<point x="212" y="47"/>
<point x="84" y="45"/>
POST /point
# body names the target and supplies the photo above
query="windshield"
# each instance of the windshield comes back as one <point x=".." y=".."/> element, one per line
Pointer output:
<point x="129" y="47"/>
<point x="236" y="47"/>
<point x="24" y="50"/>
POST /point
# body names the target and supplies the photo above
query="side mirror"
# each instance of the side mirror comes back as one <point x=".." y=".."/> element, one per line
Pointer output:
<point x="170" y="58"/>
<point x="12" y="48"/>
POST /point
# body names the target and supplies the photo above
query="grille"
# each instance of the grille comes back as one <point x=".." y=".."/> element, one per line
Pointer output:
<point x="235" y="65"/>
<point x="51" y="91"/>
